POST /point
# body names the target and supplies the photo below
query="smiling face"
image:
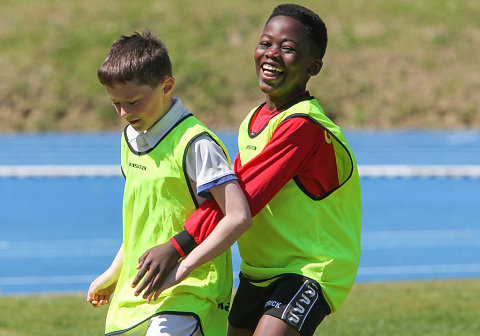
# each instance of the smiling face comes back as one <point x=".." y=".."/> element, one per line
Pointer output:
<point x="141" y="105"/>
<point x="283" y="60"/>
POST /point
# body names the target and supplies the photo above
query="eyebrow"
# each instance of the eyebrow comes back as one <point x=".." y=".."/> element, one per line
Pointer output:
<point x="283" y="40"/>
<point x="134" y="97"/>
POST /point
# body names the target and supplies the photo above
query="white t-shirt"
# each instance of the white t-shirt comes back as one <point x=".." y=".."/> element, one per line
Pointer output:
<point x="206" y="163"/>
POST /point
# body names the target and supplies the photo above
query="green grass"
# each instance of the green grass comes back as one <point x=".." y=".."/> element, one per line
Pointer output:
<point x="388" y="64"/>
<point x="437" y="308"/>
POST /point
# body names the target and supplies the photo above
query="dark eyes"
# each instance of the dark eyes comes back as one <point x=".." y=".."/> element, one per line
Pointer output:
<point x="286" y="49"/>
<point x="264" y="45"/>
<point x="129" y="103"/>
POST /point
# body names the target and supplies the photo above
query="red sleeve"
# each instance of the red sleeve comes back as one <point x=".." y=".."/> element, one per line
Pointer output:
<point x="281" y="159"/>
<point x="290" y="152"/>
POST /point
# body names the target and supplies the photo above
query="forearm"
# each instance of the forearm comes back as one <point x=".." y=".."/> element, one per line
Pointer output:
<point x="236" y="221"/>
<point x="103" y="286"/>
<point x="116" y="266"/>
<point x="260" y="179"/>
<point x="228" y="230"/>
<point x="198" y="226"/>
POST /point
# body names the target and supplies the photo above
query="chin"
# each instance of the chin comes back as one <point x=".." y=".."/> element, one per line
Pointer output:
<point x="138" y="129"/>
<point x="265" y="88"/>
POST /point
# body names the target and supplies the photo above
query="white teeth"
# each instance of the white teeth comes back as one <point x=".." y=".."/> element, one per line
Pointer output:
<point x="271" y="68"/>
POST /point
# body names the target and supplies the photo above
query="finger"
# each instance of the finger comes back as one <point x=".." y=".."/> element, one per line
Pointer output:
<point x="157" y="293"/>
<point x="167" y="283"/>
<point x="95" y="302"/>
<point x="145" y="283"/>
<point x="155" y="283"/>
<point x="141" y="260"/>
<point x="149" y="298"/>
<point x="91" y="292"/>
<point x="140" y="275"/>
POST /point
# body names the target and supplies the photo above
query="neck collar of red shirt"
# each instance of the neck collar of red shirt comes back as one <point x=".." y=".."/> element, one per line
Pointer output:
<point x="301" y="96"/>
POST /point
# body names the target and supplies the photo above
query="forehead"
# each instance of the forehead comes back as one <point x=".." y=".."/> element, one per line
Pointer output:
<point x="127" y="90"/>
<point x="285" y="27"/>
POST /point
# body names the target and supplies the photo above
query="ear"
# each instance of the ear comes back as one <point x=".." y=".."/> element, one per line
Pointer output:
<point x="168" y="85"/>
<point x="315" y="67"/>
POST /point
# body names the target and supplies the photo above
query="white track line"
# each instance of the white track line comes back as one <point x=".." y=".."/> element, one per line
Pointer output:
<point x="372" y="171"/>
<point x="61" y="171"/>
<point x="406" y="171"/>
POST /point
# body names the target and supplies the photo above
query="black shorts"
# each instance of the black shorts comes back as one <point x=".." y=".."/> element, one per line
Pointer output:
<point x="293" y="298"/>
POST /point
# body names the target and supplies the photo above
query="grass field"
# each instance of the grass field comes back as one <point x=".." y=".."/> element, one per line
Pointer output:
<point x="437" y="308"/>
<point x="388" y="64"/>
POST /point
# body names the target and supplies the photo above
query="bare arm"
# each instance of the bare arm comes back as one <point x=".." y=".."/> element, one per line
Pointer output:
<point x="102" y="287"/>
<point x="237" y="220"/>
<point x="283" y="158"/>
<point x="230" y="198"/>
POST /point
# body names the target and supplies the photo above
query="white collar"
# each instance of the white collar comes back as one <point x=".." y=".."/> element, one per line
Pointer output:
<point x="142" y="141"/>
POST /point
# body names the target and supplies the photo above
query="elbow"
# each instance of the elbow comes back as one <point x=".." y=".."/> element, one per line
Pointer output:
<point x="245" y="220"/>
<point x="240" y="222"/>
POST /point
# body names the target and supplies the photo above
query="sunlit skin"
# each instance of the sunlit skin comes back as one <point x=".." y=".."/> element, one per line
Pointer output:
<point x="141" y="105"/>
<point x="284" y="60"/>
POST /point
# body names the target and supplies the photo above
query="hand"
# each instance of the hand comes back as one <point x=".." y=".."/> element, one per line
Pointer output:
<point x="177" y="275"/>
<point x="158" y="262"/>
<point x="100" y="290"/>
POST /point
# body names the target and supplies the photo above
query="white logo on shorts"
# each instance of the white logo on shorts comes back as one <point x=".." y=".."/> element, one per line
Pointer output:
<point x="273" y="303"/>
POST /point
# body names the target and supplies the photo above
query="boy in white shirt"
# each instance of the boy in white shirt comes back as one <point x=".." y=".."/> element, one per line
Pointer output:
<point x="171" y="163"/>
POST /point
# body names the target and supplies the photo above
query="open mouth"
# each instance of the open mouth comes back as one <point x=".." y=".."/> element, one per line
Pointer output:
<point x="271" y="71"/>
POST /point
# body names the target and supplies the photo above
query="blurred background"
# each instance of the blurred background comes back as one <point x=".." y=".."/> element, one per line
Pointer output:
<point x="408" y="64"/>
<point x="400" y="77"/>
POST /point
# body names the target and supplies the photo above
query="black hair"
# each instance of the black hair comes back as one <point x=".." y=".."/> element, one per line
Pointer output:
<point x="315" y="28"/>
<point x="140" y="57"/>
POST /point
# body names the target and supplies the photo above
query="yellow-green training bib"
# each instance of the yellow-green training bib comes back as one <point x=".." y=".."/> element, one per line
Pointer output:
<point x="157" y="202"/>
<point x="297" y="233"/>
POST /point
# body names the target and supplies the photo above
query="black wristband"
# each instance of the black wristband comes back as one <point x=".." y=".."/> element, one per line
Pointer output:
<point x="186" y="242"/>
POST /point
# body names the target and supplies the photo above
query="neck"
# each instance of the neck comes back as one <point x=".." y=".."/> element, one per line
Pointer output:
<point x="273" y="104"/>
<point x="168" y="105"/>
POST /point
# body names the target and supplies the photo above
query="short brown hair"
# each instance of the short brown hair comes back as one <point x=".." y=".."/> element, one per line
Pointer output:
<point x="140" y="57"/>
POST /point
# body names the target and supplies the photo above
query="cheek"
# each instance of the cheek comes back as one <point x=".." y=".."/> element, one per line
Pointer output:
<point x="257" y="58"/>
<point x="117" y="109"/>
<point x="257" y="55"/>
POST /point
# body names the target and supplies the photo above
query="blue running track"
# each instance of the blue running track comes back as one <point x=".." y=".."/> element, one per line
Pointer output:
<point x="58" y="233"/>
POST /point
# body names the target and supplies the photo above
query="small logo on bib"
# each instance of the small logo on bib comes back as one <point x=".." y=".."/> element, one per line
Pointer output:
<point x="225" y="307"/>
<point x="136" y="165"/>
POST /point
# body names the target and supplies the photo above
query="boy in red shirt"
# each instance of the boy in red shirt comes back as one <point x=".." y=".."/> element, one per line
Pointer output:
<point x="300" y="257"/>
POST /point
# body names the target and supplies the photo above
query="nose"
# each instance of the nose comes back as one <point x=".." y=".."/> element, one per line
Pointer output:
<point x="123" y="110"/>
<point x="272" y="52"/>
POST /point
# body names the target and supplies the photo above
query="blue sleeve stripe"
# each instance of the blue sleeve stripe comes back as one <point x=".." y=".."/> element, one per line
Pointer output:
<point x="204" y="190"/>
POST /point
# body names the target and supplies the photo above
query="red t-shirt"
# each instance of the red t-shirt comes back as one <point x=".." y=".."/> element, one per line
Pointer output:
<point x="298" y="148"/>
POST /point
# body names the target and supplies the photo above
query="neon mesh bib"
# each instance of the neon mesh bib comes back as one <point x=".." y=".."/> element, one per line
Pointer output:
<point x="297" y="233"/>
<point x="157" y="202"/>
